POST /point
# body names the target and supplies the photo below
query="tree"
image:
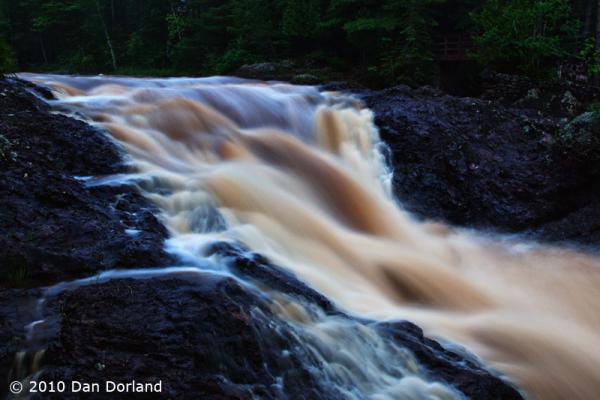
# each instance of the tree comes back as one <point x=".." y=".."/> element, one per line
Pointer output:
<point x="597" y="47"/>
<point x="300" y="18"/>
<point x="199" y="32"/>
<point x="410" y="57"/>
<point x="51" y="20"/>
<point x="7" y="58"/>
<point x="525" y="35"/>
<point x="107" y="36"/>
<point x="588" y="17"/>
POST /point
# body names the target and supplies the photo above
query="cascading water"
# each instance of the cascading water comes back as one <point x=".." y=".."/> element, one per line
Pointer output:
<point x="298" y="176"/>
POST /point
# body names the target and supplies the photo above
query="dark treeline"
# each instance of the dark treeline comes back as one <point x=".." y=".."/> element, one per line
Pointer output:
<point x="390" y="40"/>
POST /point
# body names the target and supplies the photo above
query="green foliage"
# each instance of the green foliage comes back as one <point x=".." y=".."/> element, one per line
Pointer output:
<point x="525" y="35"/>
<point x="410" y="57"/>
<point x="7" y="58"/>
<point x="300" y="18"/>
<point x="386" y="40"/>
<point x="54" y="14"/>
<point x="381" y="41"/>
<point x="232" y="59"/>
<point x="595" y="108"/>
<point x="392" y="39"/>
<point x="176" y="26"/>
<point x="370" y="24"/>
<point x="591" y="56"/>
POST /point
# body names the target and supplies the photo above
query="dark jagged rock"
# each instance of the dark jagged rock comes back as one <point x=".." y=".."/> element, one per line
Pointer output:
<point x="257" y="267"/>
<point x="18" y="308"/>
<point x="305" y="74"/>
<point x="203" y="337"/>
<point x="565" y="96"/>
<point x="477" y="163"/>
<point x="581" y="136"/>
<point x="447" y="366"/>
<point x="211" y="337"/>
<point x="54" y="227"/>
<point x="266" y="70"/>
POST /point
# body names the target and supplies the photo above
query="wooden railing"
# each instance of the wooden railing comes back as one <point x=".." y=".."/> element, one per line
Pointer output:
<point x="453" y="47"/>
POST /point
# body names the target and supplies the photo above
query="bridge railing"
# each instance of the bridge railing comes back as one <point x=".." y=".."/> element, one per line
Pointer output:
<point x="453" y="47"/>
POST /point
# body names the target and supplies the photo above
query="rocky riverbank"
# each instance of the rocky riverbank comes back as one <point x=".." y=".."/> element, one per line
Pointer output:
<point x="55" y="227"/>
<point x="210" y="337"/>
<point x="480" y="163"/>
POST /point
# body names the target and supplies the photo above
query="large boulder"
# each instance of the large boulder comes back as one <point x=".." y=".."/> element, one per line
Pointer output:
<point x="564" y="96"/>
<point x="581" y="136"/>
<point x="55" y="225"/>
<point x="299" y="74"/>
<point x="267" y="71"/>
<point x="477" y="163"/>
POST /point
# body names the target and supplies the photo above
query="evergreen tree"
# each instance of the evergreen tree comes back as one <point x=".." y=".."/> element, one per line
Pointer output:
<point x="525" y="35"/>
<point x="410" y="56"/>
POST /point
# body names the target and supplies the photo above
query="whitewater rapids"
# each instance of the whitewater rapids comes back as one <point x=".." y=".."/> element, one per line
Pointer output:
<point x="299" y="176"/>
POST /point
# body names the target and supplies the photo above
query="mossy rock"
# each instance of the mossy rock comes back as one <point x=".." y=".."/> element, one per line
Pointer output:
<point x="582" y="134"/>
<point x="306" y="79"/>
<point x="266" y="71"/>
<point x="569" y="103"/>
<point x="6" y="150"/>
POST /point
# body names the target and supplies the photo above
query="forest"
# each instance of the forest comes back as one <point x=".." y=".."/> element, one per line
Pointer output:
<point x="387" y="42"/>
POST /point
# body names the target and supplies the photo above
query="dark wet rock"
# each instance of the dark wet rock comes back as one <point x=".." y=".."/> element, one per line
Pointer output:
<point x="447" y="366"/>
<point x="267" y="71"/>
<point x="299" y="74"/>
<point x="206" y="336"/>
<point x="259" y="269"/>
<point x="569" y="103"/>
<point x="581" y="136"/>
<point x="531" y="100"/>
<point x="53" y="226"/>
<point x="305" y="79"/>
<point x="341" y="86"/>
<point x="507" y="88"/>
<point x="6" y="150"/>
<point x="17" y="309"/>
<point x="564" y="96"/>
<point x="477" y="163"/>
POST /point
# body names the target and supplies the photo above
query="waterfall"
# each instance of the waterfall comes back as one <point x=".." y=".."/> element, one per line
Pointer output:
<point x="298" y="176"/>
